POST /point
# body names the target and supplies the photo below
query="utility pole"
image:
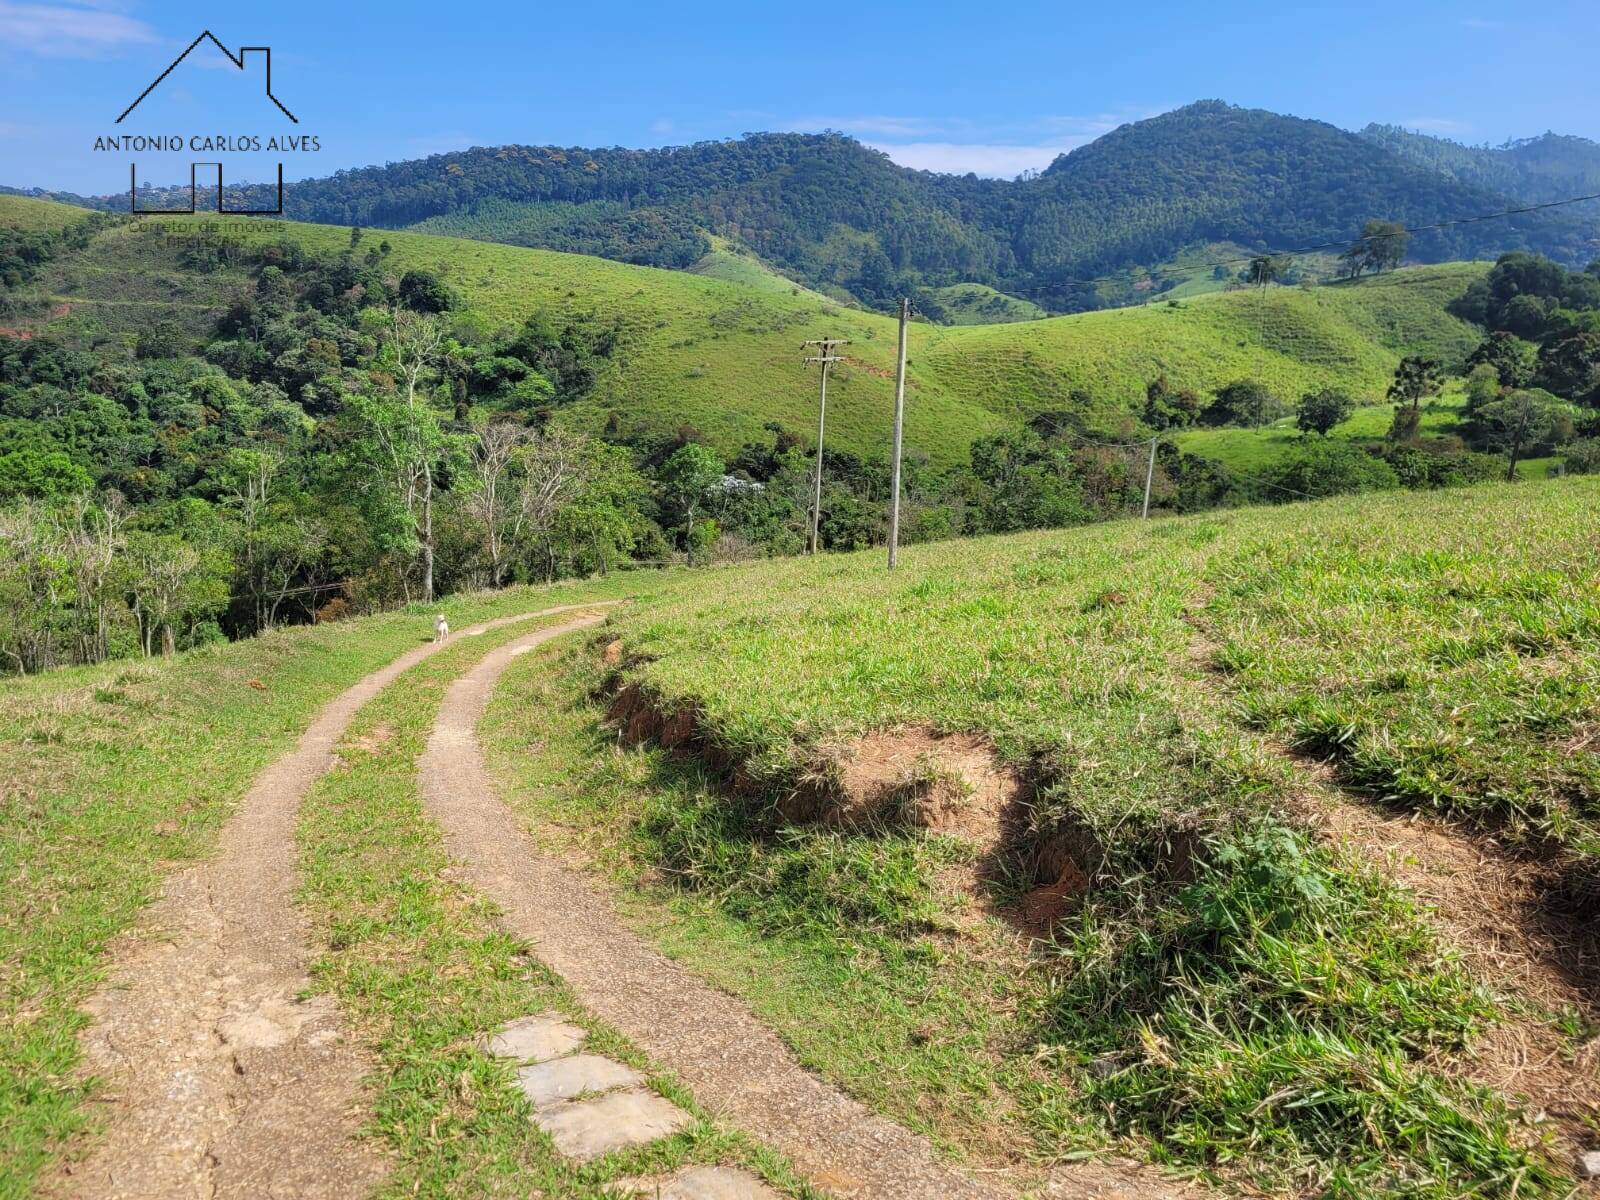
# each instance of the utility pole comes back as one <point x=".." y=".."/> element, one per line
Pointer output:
<point x="899" y="421"/>
<point x="824" y="355"/>
<point x="1149" y="474"/>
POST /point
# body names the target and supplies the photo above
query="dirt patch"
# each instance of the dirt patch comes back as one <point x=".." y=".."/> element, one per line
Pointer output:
<point x="1496" y="910"/>
<point x="911" y="777"/>
<point x="908" y="778"/>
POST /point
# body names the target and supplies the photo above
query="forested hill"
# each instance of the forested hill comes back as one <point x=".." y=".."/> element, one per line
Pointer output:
<point x="842" y="218"/>
<point x="1552" y="166"/>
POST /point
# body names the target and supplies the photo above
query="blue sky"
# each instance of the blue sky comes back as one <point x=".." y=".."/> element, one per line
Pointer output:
<point x="993" y="88"/>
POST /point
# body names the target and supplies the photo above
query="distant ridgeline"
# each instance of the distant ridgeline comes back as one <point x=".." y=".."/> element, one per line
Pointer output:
<point x="843" y="219"/>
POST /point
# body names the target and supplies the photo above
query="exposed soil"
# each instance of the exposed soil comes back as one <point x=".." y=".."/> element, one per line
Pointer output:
<point x="735" y="1066"/>
<point x="908" y="777"/>
<point x="220" y="1080"/>
<point x="1505" y="914"/>
<point x="1496" y="910"/>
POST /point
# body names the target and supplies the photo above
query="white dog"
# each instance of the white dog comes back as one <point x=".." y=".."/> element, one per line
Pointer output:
<point x="441" y="628"/>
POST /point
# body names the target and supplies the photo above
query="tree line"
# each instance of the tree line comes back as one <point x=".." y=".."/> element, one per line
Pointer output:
<point x="344" y="439"/>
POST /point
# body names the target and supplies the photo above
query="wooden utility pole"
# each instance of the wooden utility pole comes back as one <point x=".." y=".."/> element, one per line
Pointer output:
<point x="824" y="355"/>
<point x="899" y="421"/>
<point x="1149" y="474"/>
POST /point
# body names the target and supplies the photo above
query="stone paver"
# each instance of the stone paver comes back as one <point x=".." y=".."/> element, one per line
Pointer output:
<point x="587" y="1129"/>
<point x="535" y="1039"/>
<point x="700" y="1183"/>
<point x="554" y="1076"/>
<point x="566" y="1078"/>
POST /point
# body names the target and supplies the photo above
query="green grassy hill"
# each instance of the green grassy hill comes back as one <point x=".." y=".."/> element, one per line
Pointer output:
<point x="978" y="304"/>
<point x="1237" y="988"/>
<point x="724" y="356"/>
<point x="24" y="212"/>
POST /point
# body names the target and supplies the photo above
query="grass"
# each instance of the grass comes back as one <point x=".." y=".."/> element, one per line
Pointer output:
<point x="421" y="969"/>
<point x="1234" y="997"/>
<point x="1257" y="450"/>
<point x="1460" y="675"/>
<point x="720" y="350"/>
<point x="979" y="304"/>
<point x="25" y="212"/>
<point x="115" y="775"/>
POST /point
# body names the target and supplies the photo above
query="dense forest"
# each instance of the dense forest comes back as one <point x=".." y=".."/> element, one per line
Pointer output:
<point x="1538" y="170"/>
<point x="842" y="218"/>
<point x="344" y="436"/>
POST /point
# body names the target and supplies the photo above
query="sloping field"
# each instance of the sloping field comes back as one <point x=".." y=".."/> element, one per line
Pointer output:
<point x="1171" y="751"/>
<point x="725" y="356"/>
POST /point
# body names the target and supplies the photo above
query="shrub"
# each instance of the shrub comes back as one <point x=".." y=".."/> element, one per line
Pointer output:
<point x="1333" y="468"/>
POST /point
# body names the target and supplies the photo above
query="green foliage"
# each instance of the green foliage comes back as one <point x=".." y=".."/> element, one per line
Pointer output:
<point x="1520" y="421"/>
<point x="1319" y="412"/>
<point x="1381" y="246"/>
<point x="1329" y="468"/>
<point x="1537" y="170"/>
<point x="1583" y="456"/>
<point x="1246" y="402"/>
<point x="41" y="475"/>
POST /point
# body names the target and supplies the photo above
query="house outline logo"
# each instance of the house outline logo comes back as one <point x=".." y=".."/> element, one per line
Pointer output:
<point x="238" y="60"/>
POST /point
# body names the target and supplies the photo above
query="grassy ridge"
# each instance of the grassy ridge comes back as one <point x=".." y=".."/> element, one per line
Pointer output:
<point x="24" y="212"/>
<point x="1282" y="1011"/>
<point x="725" y="356"/>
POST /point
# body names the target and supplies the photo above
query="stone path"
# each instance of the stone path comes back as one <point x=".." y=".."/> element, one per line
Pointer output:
<point x="221" y="1080"/>
<point x="591" y="1106"/>
<point x="737" y="1068"/>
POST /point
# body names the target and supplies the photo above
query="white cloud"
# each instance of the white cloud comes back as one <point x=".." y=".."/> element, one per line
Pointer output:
<point x="1000" y="160"/>
<point x="1435" y="125"/>
<point x="958" y="146"/>
<point x="75" y="31"/>
<point x="872" y="126"/>
<point x="662" y="126"/>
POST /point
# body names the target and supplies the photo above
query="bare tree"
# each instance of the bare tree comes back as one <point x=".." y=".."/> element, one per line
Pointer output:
<point x="494" y="503"/>
<point x="406" y="427"/>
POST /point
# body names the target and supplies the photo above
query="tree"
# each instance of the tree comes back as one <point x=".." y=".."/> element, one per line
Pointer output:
<point x="1519" y="421"/>
<point x="1244" y="402"/>
<point x="1169" y="408"/>
<point x="405" y="427"/>
<point x="1320" y="411"/>
<point x="1265" y="268"/>
<point x="1483" y="386"/>
<point x="1415" y="379"/>
<point x="1386" y="243"/>
<point x="492" y="502"/>
<point x="1381" y="246"/>
<point x="1513" y="359"/>
<point x="686" y="481"/>
<point x="173" y="582"/>
<point x="1571" y="368"/>
<point x="424" y="292"/>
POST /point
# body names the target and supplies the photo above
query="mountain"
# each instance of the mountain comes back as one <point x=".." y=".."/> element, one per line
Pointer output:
<point x="841" y="218"/>
<point x="1536" y="170"/>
